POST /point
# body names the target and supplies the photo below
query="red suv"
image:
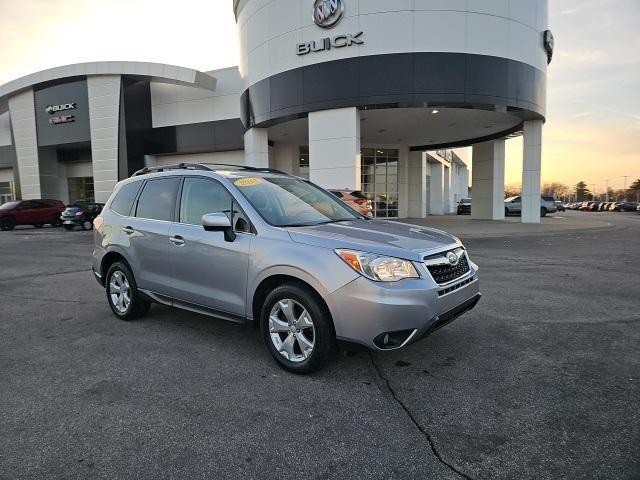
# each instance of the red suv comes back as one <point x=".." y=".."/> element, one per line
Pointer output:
<point x="30" y="212"/>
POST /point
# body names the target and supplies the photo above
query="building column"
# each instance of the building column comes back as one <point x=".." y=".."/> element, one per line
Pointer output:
<point x="23" y="125"/>
<point x="334" y="148"/>
<point x="531" y="171"/>
<point x="436" y="194"/>
<point x="464" y="183"/>
<point x="286" y="158"/>
<point x="488" y="181"/>
<point x="256" y="148"/>
<point x="417" y="185"/>
<point x="104" y="119"/>
<point x="446" y="190"/>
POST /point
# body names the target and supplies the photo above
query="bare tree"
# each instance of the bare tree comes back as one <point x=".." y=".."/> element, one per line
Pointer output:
<point x="556" y="190"/>
<point x="512" y="190"/>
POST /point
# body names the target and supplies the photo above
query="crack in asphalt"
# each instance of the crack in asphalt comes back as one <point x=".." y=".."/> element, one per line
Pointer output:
<point x="426" y="434"/>
<point x="54" y="300"/>
<point x="49" y="274"/>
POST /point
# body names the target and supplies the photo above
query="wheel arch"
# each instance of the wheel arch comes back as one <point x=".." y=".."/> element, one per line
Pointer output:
<point x="109" y="259"/>
<point x="270" y="282"/>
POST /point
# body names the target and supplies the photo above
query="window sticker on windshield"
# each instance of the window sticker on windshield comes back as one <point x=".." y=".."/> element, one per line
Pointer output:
<point x="248" y="182"/>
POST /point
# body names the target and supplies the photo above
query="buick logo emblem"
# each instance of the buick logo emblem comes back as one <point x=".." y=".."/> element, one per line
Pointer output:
<point x="452" y="258"/>
<point x="51" y="109"/>
<point x="327" y="13"/>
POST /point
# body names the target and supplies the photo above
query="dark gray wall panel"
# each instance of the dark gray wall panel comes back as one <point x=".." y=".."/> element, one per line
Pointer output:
<point x="397" y="81"/>
<point x="74" y="91"/>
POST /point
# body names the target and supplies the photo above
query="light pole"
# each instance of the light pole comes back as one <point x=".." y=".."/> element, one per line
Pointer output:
<point x="625" y="187"/>
<point x="606" y="197"/>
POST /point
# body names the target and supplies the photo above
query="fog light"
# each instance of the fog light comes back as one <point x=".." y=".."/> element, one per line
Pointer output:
<point x="389" y="340"/>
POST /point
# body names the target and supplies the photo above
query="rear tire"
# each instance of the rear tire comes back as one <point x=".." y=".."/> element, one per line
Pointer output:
<point x="122" y="293"/>
<point x="543" y="212"/>
<point x="300" y="342"/>
<point x="7" y="223"/>
<point x="87" y="225"/>
<point x="55" y="222"/>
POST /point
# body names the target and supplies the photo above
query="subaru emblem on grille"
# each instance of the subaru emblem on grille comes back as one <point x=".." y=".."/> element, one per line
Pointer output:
<point x="452" y="258"/>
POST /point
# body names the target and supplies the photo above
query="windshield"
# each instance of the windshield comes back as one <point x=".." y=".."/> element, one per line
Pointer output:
<point x="465" y="201"/>
<point x="292" y="202"/>
<point x="8" y="205"/>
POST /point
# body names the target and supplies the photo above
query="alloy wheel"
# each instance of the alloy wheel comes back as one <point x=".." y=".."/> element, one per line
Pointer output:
<point x="120" y="292"/>
<point x="291" y="330"/>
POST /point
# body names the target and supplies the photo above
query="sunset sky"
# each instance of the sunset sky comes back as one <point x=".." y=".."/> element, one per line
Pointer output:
<point x="593" y="120"/>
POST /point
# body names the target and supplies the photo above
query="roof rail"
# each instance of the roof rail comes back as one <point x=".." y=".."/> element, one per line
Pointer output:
<point x="244" y="167"/>
<point x="163" y="168"/>
<point x="202" y="166"/>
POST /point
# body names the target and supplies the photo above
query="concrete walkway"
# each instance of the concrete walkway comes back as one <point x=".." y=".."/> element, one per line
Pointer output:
<point x="463" y="226"/>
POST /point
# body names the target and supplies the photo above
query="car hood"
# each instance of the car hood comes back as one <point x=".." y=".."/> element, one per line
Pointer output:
<point x="383" y="237"/>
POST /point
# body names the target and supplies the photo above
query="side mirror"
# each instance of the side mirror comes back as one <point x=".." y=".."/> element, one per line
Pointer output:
<point x="219" y="222"/>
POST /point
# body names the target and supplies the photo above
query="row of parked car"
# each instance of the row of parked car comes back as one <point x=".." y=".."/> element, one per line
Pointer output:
<point x="42" y="212"/>
<point x="605" y="206"/>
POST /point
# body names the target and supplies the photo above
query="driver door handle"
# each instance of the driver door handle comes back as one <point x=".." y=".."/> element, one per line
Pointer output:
<point x="127" y="230"/>
<point x="177" y="240"/>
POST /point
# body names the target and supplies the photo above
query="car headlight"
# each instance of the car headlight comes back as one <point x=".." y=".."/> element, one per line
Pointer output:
<point x="378" y="267"/>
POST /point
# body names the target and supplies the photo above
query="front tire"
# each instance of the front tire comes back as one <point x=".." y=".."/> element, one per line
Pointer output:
<point x="87" y="225"/>
<point x="297" y="329"/>
<point x="7" y="223"/>
<point x="122" y="293"/>
<point x="543" y="212"/>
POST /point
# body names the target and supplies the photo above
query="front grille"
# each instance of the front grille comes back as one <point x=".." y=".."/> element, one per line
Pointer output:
<point x="447" y="273"/>
<point x="457" y="286"/>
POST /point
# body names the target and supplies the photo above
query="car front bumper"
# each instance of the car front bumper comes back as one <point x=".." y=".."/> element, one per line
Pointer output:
<point x="369" y="313"/>
<point x="76" y="222"/>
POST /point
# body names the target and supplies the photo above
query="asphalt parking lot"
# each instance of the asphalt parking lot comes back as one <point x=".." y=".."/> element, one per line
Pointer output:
<point x="541" y="381"/>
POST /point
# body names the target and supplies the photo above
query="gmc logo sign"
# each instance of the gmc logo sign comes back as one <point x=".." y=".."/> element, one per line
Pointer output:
<point x="62" y="119"/>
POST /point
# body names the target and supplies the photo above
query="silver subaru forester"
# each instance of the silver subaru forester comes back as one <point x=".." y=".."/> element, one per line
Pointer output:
<point x="257" y="245"/>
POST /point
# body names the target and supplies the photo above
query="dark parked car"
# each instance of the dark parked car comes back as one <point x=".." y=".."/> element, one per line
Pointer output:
<point x="624" y="207"/>
<point x="590" y="206"/>
<point x="464" y="206"/>
<point x="80" y="214"/>
<point x="30" y="212"/>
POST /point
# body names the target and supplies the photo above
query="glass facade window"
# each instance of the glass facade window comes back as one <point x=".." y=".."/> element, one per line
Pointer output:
<point x="7" y="192"/>
<point x="303" y="165"/>
<point x="81" y="189"/>
<point x="380" y="180"/>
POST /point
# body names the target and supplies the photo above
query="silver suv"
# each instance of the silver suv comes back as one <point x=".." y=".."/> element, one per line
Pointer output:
<point x="513" y="205"/>
<point x="257" y="245"/>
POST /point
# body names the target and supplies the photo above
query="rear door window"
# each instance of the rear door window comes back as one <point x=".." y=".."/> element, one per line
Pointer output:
<point x="158" y="199"/>
<point x="124" y="199"/>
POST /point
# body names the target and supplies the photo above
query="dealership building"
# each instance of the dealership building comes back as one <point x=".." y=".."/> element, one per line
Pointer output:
<point x="364" y="95"/>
